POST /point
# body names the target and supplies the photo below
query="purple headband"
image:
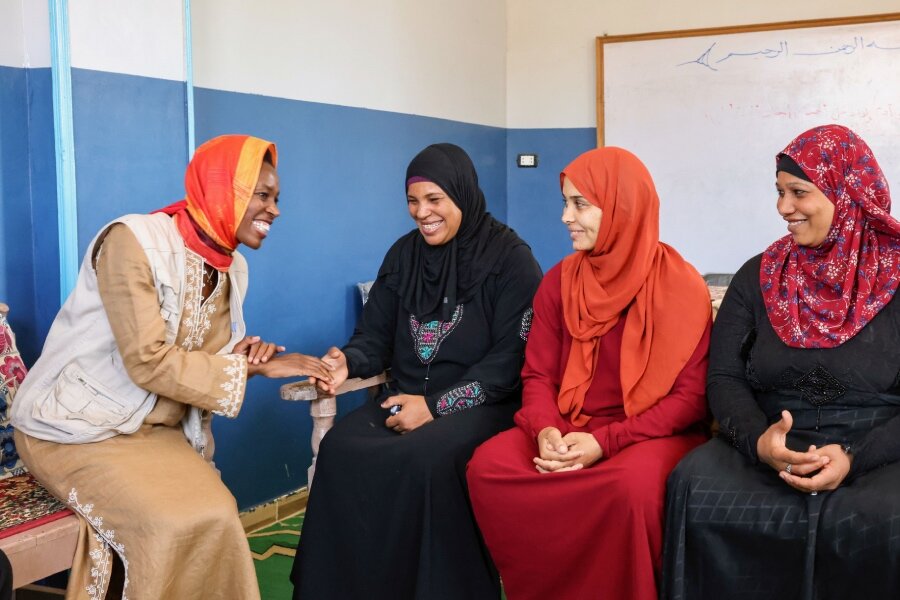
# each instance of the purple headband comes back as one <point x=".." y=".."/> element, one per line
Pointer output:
<point x="417" y="179"/>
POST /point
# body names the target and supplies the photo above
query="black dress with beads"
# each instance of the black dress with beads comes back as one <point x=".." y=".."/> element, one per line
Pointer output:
<point x="734" y="529"/>
<point x="389" y="516"/>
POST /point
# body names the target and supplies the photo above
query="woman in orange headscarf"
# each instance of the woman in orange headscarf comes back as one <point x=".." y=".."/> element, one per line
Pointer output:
<point x="614" y="376"/>
<point x="114" y="416"/>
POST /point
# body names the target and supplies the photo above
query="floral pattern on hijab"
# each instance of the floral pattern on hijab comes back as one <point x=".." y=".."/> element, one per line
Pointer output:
<point x="821" y="297"/>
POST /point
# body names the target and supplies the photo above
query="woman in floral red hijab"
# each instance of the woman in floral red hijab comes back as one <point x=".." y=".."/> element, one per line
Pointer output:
<point x="804" y="379"/>
<point x="820" y="297"/>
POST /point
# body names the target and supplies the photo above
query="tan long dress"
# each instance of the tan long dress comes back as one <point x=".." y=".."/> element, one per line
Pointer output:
<point x="149" y="496"/>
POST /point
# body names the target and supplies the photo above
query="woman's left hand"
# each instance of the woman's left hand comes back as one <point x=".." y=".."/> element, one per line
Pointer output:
<point x="413" y="412"/>
<point x="829" y="477"/>
<point x="576" y="441"/>
<point x="256" y="350"/>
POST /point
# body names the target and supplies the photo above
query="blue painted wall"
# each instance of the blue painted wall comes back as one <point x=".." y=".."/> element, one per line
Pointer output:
<point x="16" y="262"/>
<point x="533" y="196"/>
<point x="42" y="161"/>
<point x="28" y="263"/>
<point x="130" y="146"/>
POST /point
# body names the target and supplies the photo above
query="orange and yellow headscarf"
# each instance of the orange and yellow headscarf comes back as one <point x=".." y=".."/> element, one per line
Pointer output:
<point x="219" y="182"/>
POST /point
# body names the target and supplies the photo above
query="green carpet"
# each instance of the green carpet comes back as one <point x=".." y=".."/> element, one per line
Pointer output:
<point x="273" y="549"/>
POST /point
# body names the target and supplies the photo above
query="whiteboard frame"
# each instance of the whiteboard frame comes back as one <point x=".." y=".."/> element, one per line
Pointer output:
<point x="602" y="41"/>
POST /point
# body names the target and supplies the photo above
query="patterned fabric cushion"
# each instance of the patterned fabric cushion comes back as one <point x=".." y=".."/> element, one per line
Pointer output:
<point x="12" y="372"/>
<point x="25" y="504"/>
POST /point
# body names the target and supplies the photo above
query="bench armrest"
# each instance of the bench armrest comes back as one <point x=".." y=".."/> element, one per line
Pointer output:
<point x="302" y="390"/>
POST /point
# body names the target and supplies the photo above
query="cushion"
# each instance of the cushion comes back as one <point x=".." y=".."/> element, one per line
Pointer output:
<point x="364" y="288"/>
<point x="12" y="372"/>
<point x="25" y="504"/>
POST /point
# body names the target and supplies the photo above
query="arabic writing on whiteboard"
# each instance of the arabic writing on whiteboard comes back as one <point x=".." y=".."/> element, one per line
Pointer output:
<point x="713" y="56"/>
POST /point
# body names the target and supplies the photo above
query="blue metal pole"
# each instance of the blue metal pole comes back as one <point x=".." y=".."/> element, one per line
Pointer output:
<point x="64" y="138"/>
<point x="189" y="76"/>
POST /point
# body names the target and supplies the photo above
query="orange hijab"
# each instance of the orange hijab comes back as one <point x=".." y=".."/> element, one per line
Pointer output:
<point x="219" y="181"/>
<point x="629" y="269"/>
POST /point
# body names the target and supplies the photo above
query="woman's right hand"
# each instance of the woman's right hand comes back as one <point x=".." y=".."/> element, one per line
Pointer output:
<point x="337" y="362"/>
<point x="292" y="365"/>
<point x="771" y="448"/>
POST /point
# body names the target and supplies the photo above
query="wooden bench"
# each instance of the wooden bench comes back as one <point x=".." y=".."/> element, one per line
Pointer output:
<point x="43" y="550"/>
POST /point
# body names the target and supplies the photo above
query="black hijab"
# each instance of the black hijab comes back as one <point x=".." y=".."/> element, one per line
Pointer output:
<point x="432" y="280"/>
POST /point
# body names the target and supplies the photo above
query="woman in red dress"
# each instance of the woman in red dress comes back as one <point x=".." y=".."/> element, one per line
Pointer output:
<point x="570" y="502"/>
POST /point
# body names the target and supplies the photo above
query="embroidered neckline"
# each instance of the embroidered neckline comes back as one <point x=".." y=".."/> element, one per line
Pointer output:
<point x="197" y="311"/>
<point x="428" y="336"/>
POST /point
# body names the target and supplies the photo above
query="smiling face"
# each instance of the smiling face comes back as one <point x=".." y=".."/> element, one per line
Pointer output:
<point x="436" y="215"/>
<point x="806" y="209"/>
<point x="580" y="217"/>
<point x="262" y="209"/>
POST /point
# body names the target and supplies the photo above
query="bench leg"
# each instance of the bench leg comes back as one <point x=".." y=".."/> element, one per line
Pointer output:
<point x="323" y="410"/>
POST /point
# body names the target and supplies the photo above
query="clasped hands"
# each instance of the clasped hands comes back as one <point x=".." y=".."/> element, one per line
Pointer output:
<point x="817" y="469"/>
<point x="570" y="452"/>
<point x="413" y="411"/>
<point x="264" y="358"/>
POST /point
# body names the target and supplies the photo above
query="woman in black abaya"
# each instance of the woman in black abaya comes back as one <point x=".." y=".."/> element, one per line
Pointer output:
<point x="449" y="314"/>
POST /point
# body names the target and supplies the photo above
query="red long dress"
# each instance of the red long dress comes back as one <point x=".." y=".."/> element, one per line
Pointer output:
<point x="596" y="532"/>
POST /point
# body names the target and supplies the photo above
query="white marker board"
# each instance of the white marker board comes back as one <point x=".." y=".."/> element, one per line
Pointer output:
<point x="707" y="110"/>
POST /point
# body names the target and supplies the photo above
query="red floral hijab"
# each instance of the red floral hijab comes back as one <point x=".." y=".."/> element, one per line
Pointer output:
<point x="821" y="297"/>
<point x="219" y="181"/>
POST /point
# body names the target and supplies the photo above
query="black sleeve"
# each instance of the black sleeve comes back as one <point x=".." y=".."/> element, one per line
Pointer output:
<point x="879" y="447"/>
<point x="731" y="398"/>
<point x="370" y="350"/>
<point x="496" y="377"/>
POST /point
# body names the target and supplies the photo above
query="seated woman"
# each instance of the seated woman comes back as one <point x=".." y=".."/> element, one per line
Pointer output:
<point x="570" y="502"/>
<point x="114" y="417"/>
<point x="388" y="516"/>
<point x="799" y="496"/>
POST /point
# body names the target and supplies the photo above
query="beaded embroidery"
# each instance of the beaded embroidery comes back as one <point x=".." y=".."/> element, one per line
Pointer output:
<point x="428" y="336"/>
<point x="461" y="398"/>
<point x="525" y="328"/>
<point x="819" y="387"/>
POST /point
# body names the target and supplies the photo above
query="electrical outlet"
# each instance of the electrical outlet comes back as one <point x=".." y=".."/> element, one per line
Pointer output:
<point x="527" y="161"/>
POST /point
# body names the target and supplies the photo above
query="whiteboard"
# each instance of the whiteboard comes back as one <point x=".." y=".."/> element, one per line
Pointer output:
<point x="708" y="113"/>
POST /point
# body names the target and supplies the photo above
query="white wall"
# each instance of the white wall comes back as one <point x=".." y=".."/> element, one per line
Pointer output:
<point x="425" y="57"/>
<point x="24" y="34"/>
<point x="135" y="38"/>
<point x="12" y="35"/>
<point x="551" y="63"/>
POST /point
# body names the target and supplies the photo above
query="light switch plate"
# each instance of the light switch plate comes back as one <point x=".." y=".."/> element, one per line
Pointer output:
<point x="527" y="161"/>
